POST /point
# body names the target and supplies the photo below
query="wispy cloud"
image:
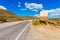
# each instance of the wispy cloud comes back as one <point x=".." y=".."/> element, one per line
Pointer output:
<point x="33" y="6"/>
<point x="54" y="11"/>
<point x="19" y="2"/>
<point x="19" y="5"/>
<point x="35" y="10"/>
<point x="23" y="9"/>
<point x="2" y="7"/>
<point x="37" y="15"/>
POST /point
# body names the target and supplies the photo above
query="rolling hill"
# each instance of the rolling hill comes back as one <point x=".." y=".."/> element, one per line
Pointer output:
<point x="6" y="13"/>
<point x="7" y="16"/>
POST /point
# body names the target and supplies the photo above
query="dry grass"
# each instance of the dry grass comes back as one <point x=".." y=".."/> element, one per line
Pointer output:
<point x="50" y="23"/>
<point x="43" y="33"/>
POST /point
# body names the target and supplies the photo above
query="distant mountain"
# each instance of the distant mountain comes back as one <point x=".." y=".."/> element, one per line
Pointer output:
<point x="26" y="17"/>
<point x="6" y="13"/>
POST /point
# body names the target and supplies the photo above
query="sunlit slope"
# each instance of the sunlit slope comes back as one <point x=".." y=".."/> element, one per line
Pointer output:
<point x="6" y="13"/>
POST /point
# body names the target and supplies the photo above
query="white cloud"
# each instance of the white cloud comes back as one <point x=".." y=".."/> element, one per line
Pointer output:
<point x="19" y="5"/>
<point x="37" y="15"/>
<point x="54" y="11"/>
<point x="33" y="6"/>
<point x="23" y="9"/>
<point x="19" y="2"/>
<point x="2" y="7"/>
<point x="35" y="10"/>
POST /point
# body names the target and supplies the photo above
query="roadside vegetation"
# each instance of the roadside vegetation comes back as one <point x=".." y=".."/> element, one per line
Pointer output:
<point x="55" y="21"/>
<point x="15" y="18"/>
<point x="2" y="20"/>
<point x="7" y="16"/>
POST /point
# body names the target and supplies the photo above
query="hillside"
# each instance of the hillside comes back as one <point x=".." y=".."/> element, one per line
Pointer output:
<point x="7" y="16"/>
<point x="6" y="13"/>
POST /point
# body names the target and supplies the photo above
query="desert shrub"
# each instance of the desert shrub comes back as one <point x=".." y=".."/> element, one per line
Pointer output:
<point x="43" y="22"/>
<point x="35" y="22"/>
<point x="20" y="19"/>
<point x="2" y="19"/>
<point x="58" y="23"/>
<point x="50" y="22"/>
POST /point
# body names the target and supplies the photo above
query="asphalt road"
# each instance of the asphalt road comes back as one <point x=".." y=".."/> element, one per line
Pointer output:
<point x="11" y="32"/>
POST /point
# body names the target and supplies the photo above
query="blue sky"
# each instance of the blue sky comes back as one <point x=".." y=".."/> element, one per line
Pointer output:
<point x="32" y="7"/>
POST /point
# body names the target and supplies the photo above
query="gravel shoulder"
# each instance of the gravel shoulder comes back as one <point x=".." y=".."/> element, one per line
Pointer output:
<point x="43" y="33"/>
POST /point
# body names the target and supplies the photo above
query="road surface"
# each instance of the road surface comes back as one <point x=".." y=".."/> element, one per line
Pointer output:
<point x="11" y="32"/>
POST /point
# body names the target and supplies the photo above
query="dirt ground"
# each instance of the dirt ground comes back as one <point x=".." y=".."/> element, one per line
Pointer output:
<point x="43" y="33"/>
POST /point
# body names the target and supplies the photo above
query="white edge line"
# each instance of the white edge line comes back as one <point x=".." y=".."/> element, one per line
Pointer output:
<point x="21" y="32"/>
